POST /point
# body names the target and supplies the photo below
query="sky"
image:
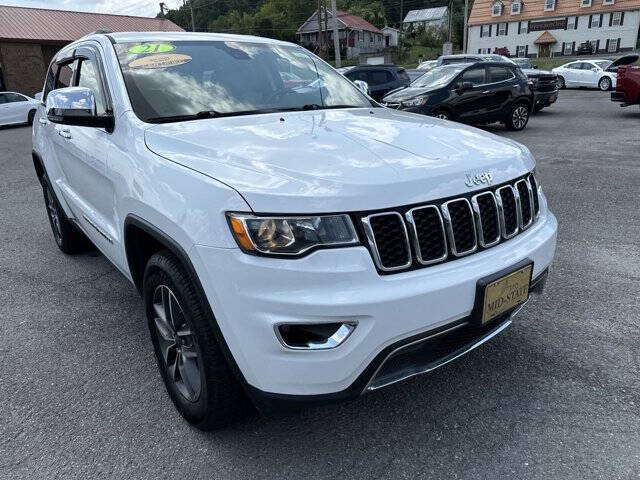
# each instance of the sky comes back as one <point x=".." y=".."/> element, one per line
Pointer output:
<point x="143" y="8"/>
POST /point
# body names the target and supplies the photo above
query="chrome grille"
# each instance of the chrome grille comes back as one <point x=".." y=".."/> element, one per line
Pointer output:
<point x="451" y="228"/>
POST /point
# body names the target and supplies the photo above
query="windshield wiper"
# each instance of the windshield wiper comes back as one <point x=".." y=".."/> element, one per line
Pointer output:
<point x="190" y="116"/>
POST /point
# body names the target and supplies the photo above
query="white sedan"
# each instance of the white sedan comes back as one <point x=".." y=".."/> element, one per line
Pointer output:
<point x="17" y="108"/>
<point x="599" y="73"/>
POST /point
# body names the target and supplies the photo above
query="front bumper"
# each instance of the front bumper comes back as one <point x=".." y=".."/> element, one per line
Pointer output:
<point x="250" y="295"/>
<point x="544" y="99"/>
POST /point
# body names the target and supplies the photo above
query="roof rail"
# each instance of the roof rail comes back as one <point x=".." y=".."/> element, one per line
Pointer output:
<point x="100" y="30"/>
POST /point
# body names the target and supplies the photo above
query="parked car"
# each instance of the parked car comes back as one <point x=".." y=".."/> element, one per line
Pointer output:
<point x="380" y="78"/>
<point x="190" y="194"/>
<point x="592" y="73"/>
<point x="627" y="86"/>
<point x="16" y="108"/>
<point x="469" y="58"/>
<point x="427" y="65"/>
<point x="584" y="48"/>
<point x="480" y="93"/>
<point x="544" y="83"/>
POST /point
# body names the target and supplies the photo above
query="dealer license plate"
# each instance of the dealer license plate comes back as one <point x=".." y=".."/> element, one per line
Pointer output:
<point x="506" y="293"/>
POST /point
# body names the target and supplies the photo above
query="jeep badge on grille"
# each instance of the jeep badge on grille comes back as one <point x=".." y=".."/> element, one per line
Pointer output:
<point x="484" y="177"/>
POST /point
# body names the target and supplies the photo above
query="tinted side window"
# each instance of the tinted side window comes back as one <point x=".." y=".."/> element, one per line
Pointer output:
<point x="65" y="75"/>
<point x="50" y="81"/>
<point x="474" y="75"/>
<point x="3" y="98"/>
<point x="403" y="76"/>
<point x="14" y="97"/>
<point x="89" y="78"/>
<point x="378" y="77"/>
<point x="499" y="74"/>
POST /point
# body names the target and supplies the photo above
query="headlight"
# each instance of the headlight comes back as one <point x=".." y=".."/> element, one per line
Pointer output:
<point x="291" y="235"/>
<point x="416" y="101"/>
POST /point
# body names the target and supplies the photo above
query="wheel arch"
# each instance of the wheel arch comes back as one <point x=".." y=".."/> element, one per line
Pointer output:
<point x="144" y="239"/>
<point x="38" y="165"/>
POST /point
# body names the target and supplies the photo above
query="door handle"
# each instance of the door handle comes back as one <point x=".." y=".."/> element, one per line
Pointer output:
<point x="43" y="121"/>
<point x="64" y="133"/>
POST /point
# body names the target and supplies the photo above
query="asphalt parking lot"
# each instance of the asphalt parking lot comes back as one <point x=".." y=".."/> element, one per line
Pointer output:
<point x="557" y="395"/>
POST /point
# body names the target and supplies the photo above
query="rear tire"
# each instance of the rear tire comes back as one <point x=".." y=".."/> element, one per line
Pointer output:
<point x="518" y="116"/>
<point x="604" y="84"/>
<point x="442" y="114"/>
<point x="30" y="116"/>
<point x="193" y="368"/>
<point x="69" y="239"/>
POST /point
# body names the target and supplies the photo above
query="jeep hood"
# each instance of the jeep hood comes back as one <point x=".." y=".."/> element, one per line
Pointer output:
<point x="338" y="160"/>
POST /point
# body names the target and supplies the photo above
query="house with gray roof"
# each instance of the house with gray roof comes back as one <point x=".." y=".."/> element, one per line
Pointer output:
<point x="426" y="17"/>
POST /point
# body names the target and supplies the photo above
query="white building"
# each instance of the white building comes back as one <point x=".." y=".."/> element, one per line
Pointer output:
<point x="544" y="28"/>
<point x="427" y="17"/>
<point x="391" y="36"/>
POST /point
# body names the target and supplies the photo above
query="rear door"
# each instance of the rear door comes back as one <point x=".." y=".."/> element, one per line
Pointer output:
<point x="5" y="114"/>
<point x="499" y="90"/>
<point x="572" y="74"/>
<point x="468" y="105"/>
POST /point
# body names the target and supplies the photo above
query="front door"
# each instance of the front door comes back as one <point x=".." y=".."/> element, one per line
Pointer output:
<point x="469" y="104"/>
<point x="544" y="50"/>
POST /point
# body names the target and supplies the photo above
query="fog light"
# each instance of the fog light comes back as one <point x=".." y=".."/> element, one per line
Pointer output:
<point x="317" y="336"/>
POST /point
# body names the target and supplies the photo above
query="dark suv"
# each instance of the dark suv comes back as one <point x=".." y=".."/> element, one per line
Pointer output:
<point x="381" y="78"/>
<point x="479" y="93"/>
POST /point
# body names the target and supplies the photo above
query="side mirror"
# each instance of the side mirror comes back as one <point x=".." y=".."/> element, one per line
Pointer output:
<point x="362" y="86"/>
<point x="462" y="87"/>
<point x="75" y="106"/>
<point x="594" y="69"/>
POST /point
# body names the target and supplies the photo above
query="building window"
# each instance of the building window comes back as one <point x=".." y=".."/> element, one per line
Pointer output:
<point x="521" y="50"/>
<point x="595" y="21"/>
<point x="616" y="18"/>
<point x="502" y="29"/>
<point x="485" y="31"/>
<point x="613" y="45"/>
<point x="515" y="8"/>
<point x="496" y="9"/>
<point x="523" y="27"/>
<point x="568" y="48"/>
<point x="608" y="2"/>
<point x="549" y="5"/>
<point x="594" y="46"/>
<point x="585" y="3"/>
<point x="571" y="23"/>
<point x="484" y="51"/>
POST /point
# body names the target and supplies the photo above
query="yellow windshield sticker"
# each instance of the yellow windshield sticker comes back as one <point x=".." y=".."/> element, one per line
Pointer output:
<point x="151" y="48"/>
<point x="162" y="60"/>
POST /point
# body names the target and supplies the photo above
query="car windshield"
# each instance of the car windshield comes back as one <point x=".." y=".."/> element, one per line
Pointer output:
<point x="439" y="76"/>
<point x="184" y="80"/>
<point x="523" y="63"/>
<point x="603" y="64"/>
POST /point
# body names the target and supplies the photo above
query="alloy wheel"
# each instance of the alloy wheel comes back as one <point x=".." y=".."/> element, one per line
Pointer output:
<point x="605" y="84"/>
<point x="520" y="116"/>
<point x="52" y="211"/>
<point x="177" y="344"/>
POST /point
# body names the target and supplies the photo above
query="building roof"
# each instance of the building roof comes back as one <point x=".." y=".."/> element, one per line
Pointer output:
<point x="45" y="25"/>
<point x="345" y="20"/>
<point x="534" y="9"/>
<point x="545" y="38"/>
<point x="425" y="14"/>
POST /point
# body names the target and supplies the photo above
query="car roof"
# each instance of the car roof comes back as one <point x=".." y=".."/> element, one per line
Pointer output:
<point x="379" y="66"/>
<point x="127" y="37"/>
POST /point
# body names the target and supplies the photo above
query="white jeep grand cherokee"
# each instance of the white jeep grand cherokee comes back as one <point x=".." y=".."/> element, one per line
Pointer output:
<point x="292" y="240"/>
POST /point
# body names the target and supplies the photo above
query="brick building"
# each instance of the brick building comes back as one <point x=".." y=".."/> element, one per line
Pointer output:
<point x="30" y="37"/>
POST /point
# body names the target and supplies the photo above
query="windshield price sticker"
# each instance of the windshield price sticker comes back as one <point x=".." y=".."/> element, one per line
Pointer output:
<point x="151" y="48"/>
<point x="160" y="61"/>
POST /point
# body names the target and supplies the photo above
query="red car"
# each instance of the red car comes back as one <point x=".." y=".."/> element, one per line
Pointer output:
<point x="627" y="90"/>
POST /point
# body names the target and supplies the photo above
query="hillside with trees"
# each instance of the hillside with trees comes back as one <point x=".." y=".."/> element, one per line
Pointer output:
<point x="281" y="18"/>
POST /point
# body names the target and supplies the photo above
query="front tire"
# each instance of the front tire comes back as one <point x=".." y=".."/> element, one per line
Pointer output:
<point x="604" y="84"/>
<point x="561" y="83"/>
<point x="442" y="114"/>
<point x="192" y="365"/>
<point x="518" y="116"/>
<point x="68" y="238"/>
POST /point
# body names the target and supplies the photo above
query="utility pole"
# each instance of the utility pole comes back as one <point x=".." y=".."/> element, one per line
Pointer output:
<point x="318" y="15"/>
<point x="193" y="22"/>
<point x="450" y="18"/>
<point x="326" y="30"/>
<point x="336" y="38"/>
<point x="466" y="19"/>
